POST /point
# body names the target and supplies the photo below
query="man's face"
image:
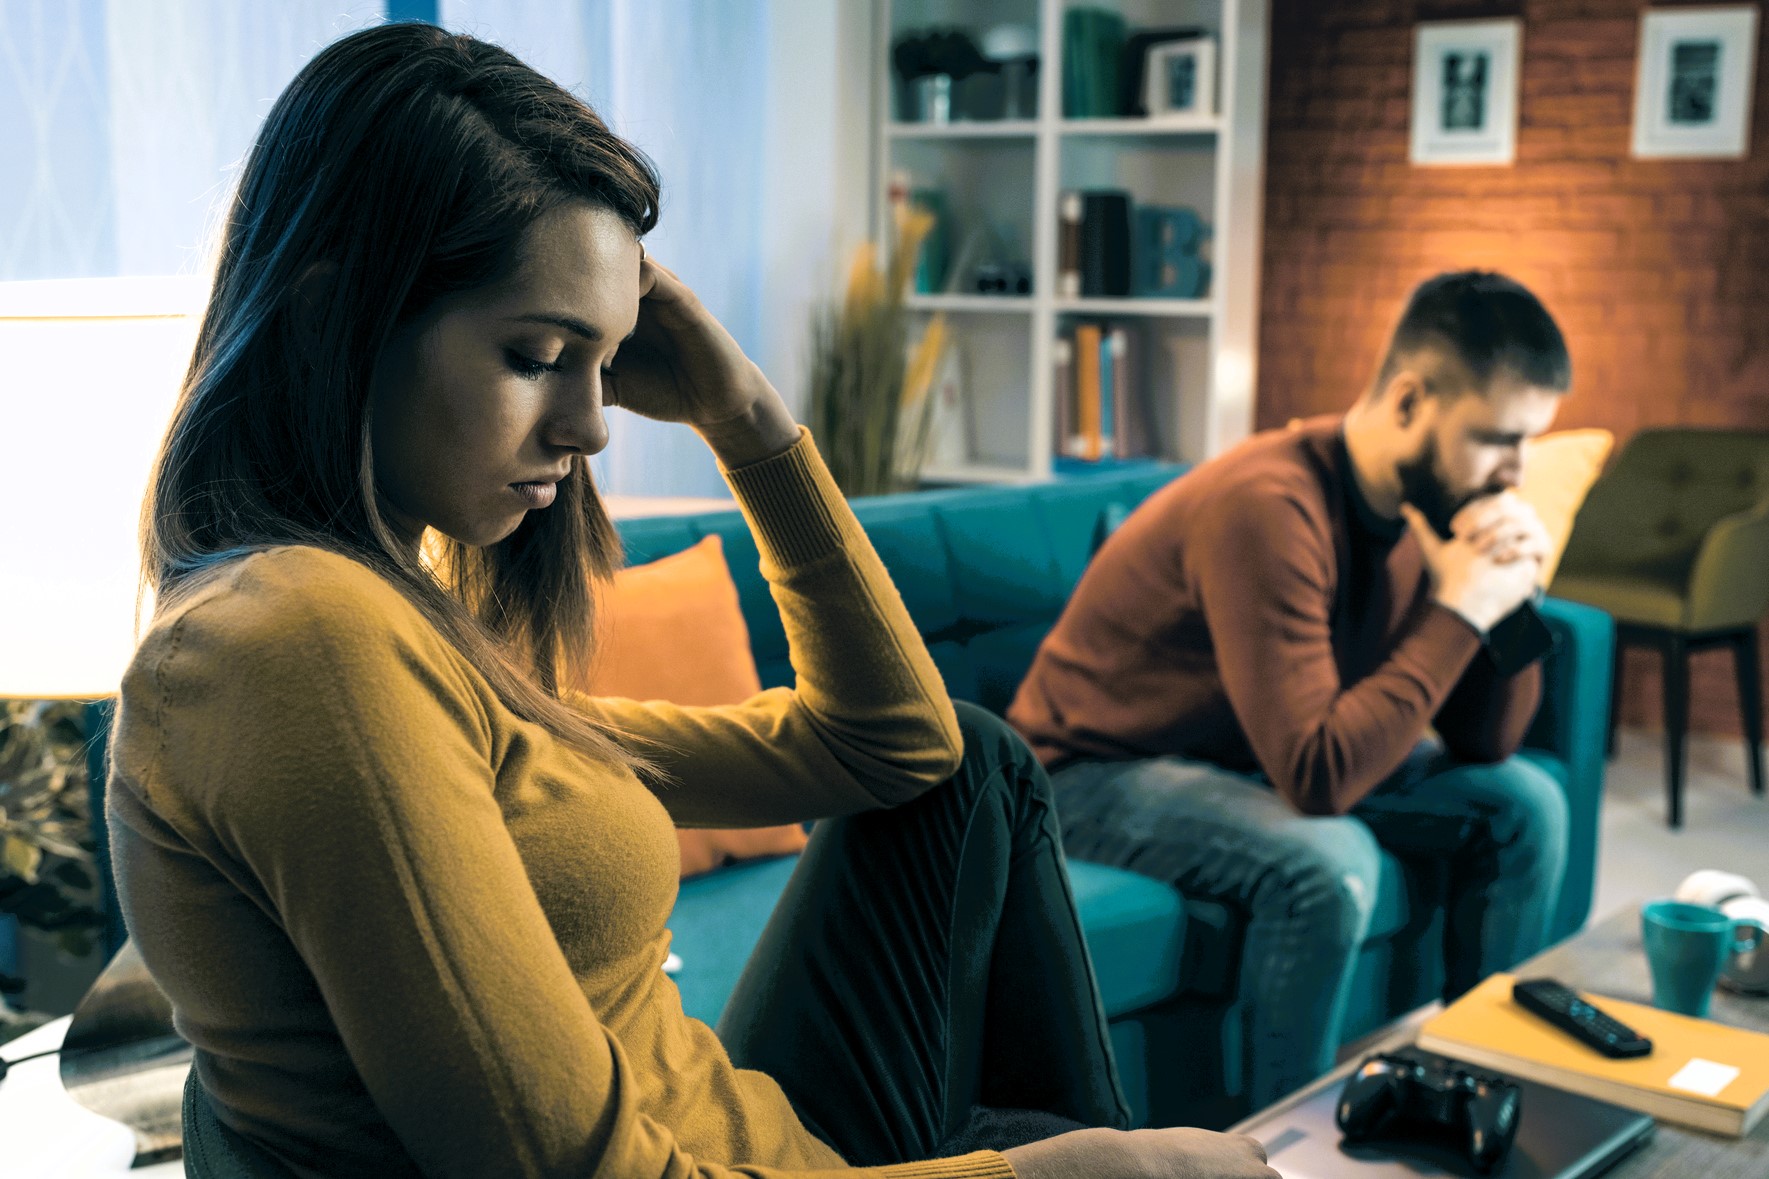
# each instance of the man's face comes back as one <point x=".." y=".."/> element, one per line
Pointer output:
<point x="1472" y="445"/>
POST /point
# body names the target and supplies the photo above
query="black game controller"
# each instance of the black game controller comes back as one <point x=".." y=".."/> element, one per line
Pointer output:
<point x="1477" y="1112"/>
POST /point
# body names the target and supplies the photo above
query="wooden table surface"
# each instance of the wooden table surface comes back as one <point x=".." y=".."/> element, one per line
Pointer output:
<point x="1607" y="959"/>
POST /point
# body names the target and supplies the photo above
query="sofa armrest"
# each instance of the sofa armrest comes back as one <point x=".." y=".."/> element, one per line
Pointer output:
<point x="1572" y="727"/>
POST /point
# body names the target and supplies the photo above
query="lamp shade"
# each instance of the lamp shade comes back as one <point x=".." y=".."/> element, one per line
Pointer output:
<point x="89" y="372"/>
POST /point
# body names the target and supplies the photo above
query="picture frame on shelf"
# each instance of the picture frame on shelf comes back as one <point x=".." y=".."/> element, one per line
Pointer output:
<point x="1693" y="87"/>
<point x="1465" y="92"/>
<point x="1179" y="79"/>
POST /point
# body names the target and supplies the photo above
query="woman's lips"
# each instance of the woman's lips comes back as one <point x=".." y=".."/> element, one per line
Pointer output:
<point x="536" y="495"/>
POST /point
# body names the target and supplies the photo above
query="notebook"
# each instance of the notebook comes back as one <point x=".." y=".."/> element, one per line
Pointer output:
<point x="1700" y="1074"/>
<point x="1560" y="1135"/>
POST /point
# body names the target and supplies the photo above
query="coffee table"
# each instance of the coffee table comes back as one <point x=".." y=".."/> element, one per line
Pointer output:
<point x="1605" y="959"/>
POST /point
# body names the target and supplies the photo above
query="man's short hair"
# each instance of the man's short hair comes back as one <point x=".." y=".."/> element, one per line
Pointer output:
<point x="1492" y="324"/>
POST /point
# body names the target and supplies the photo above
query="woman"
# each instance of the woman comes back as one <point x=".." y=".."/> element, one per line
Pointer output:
<point x="407" y="898"/>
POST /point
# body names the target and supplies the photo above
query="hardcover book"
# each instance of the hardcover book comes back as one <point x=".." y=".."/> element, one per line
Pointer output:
<point x="1700" y="1073"/>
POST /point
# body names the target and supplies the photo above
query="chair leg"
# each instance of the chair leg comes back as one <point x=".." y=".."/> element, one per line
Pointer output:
<point x="1750" y="702"/>
<point x="1615" y="698"/>
<point x="1676" y="677"/>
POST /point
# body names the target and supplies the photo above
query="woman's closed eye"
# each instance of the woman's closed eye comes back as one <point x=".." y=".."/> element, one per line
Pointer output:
<point x="527" y="366"/>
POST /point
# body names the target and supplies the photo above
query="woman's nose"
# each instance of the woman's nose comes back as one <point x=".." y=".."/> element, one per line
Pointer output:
<point x="577" y="423"/>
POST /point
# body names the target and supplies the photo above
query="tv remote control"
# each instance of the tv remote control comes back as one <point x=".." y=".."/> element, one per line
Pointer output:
<point x="1565" y="1010"/>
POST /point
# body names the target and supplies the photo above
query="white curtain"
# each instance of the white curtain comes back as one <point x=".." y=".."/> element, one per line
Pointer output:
<point x="122" y="123"/>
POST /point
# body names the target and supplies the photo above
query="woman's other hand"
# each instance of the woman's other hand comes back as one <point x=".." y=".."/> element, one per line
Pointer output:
<point x="681" y="365"/>
<point x="1179" y="1153"/>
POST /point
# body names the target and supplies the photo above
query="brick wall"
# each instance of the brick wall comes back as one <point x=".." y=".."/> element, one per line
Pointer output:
<point x="1658" y="271"/>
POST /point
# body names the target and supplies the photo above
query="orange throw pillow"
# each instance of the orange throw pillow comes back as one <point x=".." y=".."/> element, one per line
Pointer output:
<point x="1558" y="470"/>
<point x="673" y="630"/>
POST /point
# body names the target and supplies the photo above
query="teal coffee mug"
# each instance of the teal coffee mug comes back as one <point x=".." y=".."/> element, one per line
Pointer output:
<point x="1686" y="947"/>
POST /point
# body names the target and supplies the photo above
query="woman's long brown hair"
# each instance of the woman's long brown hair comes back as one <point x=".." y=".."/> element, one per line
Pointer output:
<point x="408" y="163"/>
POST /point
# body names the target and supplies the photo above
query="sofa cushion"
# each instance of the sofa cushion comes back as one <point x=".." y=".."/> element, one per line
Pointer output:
<point x="715" y="925"/>
<point x="1135" y="929"/>
<point x="1559" y="469"/>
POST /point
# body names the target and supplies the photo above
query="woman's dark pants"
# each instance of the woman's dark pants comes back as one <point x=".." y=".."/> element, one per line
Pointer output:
<point x="922" y="987"/>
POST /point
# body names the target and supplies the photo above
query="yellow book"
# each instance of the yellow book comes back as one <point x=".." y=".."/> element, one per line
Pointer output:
<point x="1700" y="1073"/>
<point x="1087" y="390"/>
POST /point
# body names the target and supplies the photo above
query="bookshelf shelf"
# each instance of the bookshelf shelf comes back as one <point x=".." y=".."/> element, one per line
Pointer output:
<point x="1183" y="367"/>
<point x="980" y="473"/>
<point x="1176" y="308"/>
<point x="998" y="129"/>
<point x="977" y="304"/>
<point x="1200" y="125"/>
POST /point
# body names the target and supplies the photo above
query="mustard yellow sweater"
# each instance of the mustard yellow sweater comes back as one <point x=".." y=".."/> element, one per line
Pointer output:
<point x="412" y="933"/>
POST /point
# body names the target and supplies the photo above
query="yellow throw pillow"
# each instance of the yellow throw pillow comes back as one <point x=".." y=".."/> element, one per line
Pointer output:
<point x="673" y="630"/>
<point x="1558" y="470"/>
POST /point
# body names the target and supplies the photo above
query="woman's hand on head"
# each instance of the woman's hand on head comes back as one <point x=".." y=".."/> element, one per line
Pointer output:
<point x="1179" y="1153"/>
<point x="681" y="365"/>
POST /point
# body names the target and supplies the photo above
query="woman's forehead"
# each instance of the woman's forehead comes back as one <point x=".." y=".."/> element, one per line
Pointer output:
<point x="579" y="260"/>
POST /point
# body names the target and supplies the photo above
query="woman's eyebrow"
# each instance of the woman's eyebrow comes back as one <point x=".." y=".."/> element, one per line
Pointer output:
<point x="569" y="323"/>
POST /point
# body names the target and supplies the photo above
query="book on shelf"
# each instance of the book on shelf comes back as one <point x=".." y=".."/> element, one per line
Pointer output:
<point x="1700" y="1073"/>
<point x="1068" y="253"/>
<point x="1100" y="413"/>
<point x="1063" y="390"/>
<point x="1087" y="392"/>
<point x="1105" y="243"/>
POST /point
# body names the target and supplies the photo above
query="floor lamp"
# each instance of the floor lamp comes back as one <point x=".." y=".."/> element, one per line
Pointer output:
<point x="89" y="371"/>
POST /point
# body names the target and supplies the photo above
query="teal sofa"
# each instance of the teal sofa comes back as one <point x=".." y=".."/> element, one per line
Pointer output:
<point x="985" y="572"/>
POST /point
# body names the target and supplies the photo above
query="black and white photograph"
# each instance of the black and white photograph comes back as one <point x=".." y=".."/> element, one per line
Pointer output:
<point x="1693" y="88"/>
<point x="1179" y="78"/>
<point x="1465" y="92"/>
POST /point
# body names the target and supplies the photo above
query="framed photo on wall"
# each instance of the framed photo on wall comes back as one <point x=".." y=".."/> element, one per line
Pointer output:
<point x="1692" y="94"/>
<point x="1179" y="78"/>
<point x="1465" y="91"/>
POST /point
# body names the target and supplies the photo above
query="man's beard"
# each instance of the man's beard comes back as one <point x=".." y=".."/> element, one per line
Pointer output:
<point x="1422" y="484"/>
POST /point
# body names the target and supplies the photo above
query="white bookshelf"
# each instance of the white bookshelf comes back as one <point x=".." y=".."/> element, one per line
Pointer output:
<point x="1198" y="367"/>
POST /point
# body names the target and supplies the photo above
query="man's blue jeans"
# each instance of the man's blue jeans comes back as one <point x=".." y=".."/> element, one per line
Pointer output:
<point x="1307" y="885"/>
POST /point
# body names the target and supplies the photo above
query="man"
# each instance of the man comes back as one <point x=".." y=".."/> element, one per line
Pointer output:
<point x="1237" y="698"/>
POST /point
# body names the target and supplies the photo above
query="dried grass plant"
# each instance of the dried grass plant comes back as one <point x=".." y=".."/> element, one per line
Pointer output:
<point x="869" y="403"/>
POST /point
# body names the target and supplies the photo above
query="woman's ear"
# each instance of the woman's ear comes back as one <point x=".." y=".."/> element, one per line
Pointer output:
<point x="307" y="303"/>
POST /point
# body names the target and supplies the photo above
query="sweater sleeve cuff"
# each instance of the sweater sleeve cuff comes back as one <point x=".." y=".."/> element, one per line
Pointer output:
<point x="984" y="1164"/>
<point x="792" y="503"/>
<point x="1445" y="644"/>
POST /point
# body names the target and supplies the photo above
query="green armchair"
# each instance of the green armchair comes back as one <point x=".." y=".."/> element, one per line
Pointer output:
<point x="1674" y="543"/>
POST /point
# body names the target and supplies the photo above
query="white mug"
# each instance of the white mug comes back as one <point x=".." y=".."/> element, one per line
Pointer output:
<point x="1747" y="971"/>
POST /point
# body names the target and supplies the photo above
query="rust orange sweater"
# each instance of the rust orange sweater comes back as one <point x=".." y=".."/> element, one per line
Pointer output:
<point x="410" y="933"/>
<point x="1257" y="614"/>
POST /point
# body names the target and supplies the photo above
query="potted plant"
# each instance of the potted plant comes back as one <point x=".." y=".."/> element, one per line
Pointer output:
<point x="869" y="403"/>
<point x="48" y="876"/>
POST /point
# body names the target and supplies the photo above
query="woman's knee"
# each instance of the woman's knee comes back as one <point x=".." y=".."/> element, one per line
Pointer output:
<point x="990" y="743"/>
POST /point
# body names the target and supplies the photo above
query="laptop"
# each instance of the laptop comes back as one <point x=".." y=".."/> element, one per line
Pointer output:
<point x="1560" y="1135"/>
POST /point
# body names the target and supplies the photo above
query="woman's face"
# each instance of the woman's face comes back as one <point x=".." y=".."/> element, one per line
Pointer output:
<point x="479" y="405"/>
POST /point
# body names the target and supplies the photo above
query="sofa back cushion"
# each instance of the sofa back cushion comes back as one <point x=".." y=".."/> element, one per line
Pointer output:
<point x="984" y="572"/>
